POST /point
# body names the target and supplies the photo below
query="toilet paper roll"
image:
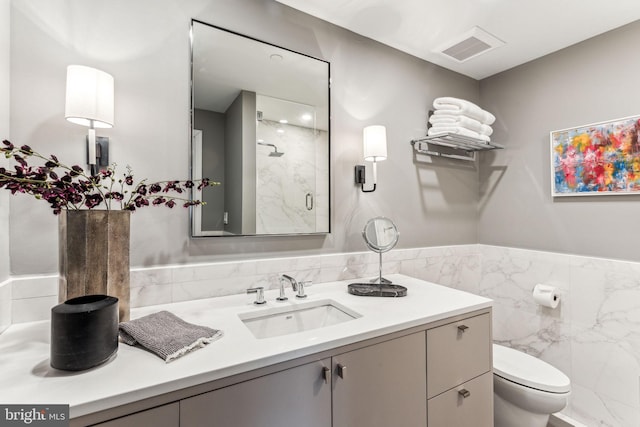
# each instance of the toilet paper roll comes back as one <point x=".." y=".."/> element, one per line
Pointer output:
<point x="546" y="296"/>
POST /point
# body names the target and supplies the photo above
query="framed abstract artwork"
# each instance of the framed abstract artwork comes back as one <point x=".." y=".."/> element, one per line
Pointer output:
<point x="596" y="159"/>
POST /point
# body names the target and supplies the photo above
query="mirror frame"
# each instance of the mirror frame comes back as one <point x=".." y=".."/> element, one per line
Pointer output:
<point x="380" y="248"/>
<point x="195" y="210"/>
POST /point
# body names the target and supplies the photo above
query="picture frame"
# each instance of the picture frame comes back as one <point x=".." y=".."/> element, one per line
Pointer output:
<point x="596" y="159"/>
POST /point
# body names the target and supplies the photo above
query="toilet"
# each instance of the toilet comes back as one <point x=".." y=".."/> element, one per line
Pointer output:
<point x="526" y="389"/>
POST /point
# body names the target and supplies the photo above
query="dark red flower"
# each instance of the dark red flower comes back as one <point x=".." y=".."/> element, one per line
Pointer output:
<point x="64" y="187"/>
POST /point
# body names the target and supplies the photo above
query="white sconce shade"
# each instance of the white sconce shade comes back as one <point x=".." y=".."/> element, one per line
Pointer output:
<point x="374" y="139"/>
<point x="89" y="97"/>
<point x="89" y="102"/>
<point x="375" y="143"/>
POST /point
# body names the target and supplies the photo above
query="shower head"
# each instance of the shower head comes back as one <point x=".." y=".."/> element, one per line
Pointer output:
<point x="275" y="152"/>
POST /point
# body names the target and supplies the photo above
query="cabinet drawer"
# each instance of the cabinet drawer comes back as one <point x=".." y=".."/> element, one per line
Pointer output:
<point x="162" y="416"/>
<point x="458" y="352"/>
<point x="452" y="409"/>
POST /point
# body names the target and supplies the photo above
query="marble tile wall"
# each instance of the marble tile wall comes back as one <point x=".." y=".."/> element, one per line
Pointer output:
<point x="33" y="296"/>
<point x="5" y="305"/>
<point x="593" y="336"/>
<point x="284" y="182"/>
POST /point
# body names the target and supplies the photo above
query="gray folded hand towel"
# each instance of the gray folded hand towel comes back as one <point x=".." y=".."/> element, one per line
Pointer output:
<point x="166" y="335"/>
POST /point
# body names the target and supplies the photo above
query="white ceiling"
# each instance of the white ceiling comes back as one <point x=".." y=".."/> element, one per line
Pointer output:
<point x="530" y="29"/>
<point x="287" y="84"/>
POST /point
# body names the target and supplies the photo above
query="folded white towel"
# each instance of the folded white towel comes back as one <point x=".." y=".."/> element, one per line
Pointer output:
<point x="444" y="118"/>
<point x="439" y="130"/>
<point x="465" y="107"/>
<point x="460" y="120"/>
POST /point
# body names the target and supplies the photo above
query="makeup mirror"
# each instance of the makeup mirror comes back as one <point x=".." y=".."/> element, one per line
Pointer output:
<point x="380" y="235"/>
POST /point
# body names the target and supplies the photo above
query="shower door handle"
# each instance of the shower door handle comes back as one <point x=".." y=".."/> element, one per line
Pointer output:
<point x="309" y="201"/>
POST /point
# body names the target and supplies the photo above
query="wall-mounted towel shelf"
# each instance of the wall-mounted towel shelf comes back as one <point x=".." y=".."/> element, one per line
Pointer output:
<point x="461" y="147"/>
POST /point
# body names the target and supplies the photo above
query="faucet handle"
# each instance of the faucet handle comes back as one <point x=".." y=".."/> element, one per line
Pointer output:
<point x="259" y="290"/>
<point x="301" y="286"/>
<point x="282" y="296"/>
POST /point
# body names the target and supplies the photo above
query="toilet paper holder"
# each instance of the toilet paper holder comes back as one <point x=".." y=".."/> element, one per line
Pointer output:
<point x="546" y="296"/>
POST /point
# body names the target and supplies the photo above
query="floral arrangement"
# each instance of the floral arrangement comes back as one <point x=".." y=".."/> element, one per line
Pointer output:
<point x="70" y="187"/>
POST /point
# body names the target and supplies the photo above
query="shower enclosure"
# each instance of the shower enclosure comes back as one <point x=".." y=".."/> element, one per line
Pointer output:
<point x="288" y="147"/>
<point x="272" y="185"/>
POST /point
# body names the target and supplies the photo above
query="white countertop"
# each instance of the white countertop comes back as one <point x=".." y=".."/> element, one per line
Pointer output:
<point x="134" y="374"/>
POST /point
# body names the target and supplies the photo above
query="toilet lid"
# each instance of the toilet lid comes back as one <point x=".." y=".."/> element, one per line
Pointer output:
<point x="520" y="368"/>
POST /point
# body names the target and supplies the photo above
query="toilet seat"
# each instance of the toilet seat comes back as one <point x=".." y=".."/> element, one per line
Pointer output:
<point x="528" y="371"/>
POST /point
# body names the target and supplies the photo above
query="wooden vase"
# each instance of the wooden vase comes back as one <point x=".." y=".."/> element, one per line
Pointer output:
<point x="94" y="255"/>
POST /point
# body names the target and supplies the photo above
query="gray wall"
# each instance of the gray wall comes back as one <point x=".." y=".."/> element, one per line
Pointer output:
<point x="212" y="126"/>
<point x="145" y="46"/>
<point x="233" y="177"/>
<point x="240" y="161"/>
<point x="248" y="138"/>
<point x="596" y="80"/>
<point x="4" y="134"/>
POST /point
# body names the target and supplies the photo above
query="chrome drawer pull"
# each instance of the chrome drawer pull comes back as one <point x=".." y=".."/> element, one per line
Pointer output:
<point x="463" y="328"/>
<point x="342" y="371"/>
<point x="464" y="393"/>
<point x="326" y="372"/>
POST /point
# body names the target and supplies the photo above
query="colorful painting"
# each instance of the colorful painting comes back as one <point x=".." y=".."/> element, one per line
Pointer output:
<point x="598" y="159"/>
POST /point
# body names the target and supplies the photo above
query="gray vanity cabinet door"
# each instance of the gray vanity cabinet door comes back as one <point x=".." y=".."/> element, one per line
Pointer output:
<point x="458" y="352"/>
<point x="468" y="405"/>
<point x="381" y="385"/>
<point x="162" y="416"/>
<point x="295" y="397"/>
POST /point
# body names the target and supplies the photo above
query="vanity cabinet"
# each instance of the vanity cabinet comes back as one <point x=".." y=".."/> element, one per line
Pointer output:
<point x="431" y="375"/>
<point x="299" y="396"/>
<point x="378" y="385"/>
<point x="459" y="373"/>
<point x="381" y="385"/>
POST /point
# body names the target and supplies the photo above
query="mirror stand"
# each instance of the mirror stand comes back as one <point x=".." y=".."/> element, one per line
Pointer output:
<point x="380" y="280"/>
<point x="381" y="235"/>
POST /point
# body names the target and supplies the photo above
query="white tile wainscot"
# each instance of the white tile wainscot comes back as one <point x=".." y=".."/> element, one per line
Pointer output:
<point x="5" y="305"/>
<point x="33" y="296"/>
<point x="593" y="336"/>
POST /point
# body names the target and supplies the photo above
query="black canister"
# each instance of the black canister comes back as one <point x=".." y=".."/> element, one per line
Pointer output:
<point x="84" y="332"/>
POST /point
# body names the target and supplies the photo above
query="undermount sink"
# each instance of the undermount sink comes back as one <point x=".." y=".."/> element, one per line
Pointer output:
<point x="300" y="317"/>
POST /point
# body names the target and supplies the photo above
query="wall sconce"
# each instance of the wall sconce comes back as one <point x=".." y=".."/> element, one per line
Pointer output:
<point x="374" y="139"/>
<point x="89" y="102"/>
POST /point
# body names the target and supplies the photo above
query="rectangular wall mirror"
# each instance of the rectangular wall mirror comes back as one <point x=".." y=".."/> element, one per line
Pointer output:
<point x="260" y="127"/>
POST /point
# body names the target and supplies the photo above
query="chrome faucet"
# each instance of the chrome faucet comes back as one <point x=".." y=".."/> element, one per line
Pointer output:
<point x="294" y="285"/>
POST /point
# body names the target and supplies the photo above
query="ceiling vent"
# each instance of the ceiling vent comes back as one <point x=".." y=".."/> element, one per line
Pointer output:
<point x="470" y="44"/>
